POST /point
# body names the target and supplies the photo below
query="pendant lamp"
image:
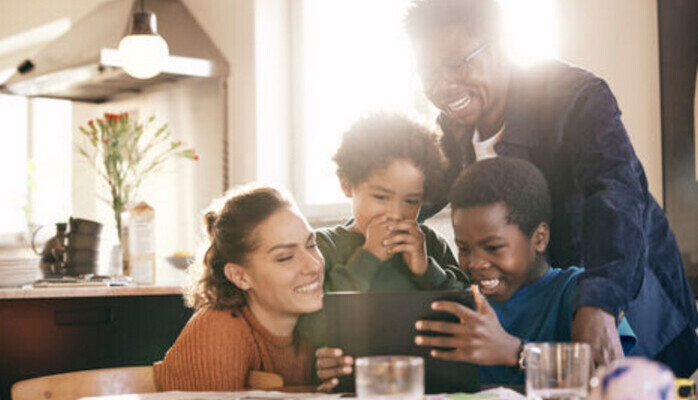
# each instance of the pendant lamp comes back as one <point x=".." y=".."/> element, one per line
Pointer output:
<point x="143" y="52"/>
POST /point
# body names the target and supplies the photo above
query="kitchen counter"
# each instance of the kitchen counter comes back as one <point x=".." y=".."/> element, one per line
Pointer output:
<point x="53" y="330"/>
<point x="29" y="292"/>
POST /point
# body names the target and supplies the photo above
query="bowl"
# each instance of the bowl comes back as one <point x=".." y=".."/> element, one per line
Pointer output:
<point x="180" y="262"/>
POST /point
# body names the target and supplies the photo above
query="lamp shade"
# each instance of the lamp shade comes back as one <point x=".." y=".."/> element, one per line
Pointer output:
<point x="143" y="56"/>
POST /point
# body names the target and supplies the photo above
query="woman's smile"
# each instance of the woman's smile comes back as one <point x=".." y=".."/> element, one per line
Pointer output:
<point x="313" y="287"/>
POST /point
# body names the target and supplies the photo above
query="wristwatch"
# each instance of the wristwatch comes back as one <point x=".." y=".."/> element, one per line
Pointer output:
<point x="520" y="359"/>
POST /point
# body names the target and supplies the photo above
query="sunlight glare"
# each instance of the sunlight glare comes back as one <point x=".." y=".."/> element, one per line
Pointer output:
<point x="358" y="60"/>
<point x="530" y="29"/>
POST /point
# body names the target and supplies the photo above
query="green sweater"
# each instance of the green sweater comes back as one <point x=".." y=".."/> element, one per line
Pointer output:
<point x="348" y="267"/>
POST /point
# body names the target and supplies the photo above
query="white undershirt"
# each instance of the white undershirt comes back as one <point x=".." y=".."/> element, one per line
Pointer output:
<point x="485" y="149"/>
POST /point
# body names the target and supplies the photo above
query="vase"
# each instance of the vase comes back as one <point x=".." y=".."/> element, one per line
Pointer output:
<point x="116" y="261"/>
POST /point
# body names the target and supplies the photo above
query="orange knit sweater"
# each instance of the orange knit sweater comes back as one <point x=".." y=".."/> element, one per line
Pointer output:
<point x="216" y="351"/>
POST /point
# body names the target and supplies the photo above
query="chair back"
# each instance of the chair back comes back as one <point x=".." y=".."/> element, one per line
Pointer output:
<point x="94" y="382"/>
<point x="260" y="380"/>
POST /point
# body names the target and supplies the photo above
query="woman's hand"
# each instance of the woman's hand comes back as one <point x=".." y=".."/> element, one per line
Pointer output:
<point x="478" y="338"/>
<point x="331" y="363"/>
<point x="408" y="239"/>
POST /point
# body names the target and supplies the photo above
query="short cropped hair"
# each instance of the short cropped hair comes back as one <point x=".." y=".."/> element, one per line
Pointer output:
<point x="517" y="183"/>
<point x="481" y="18"/>
<point x="373" y="142"/>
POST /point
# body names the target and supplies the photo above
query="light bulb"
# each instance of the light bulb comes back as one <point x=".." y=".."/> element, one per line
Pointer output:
<point x="143" y="56"/>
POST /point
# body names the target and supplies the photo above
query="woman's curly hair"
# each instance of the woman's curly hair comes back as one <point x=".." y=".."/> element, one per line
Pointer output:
<point x="373" y="142"/>
<point x="230" y="223"/>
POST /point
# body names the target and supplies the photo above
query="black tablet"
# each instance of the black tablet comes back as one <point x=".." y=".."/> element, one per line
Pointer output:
<point x="365" y="324"/>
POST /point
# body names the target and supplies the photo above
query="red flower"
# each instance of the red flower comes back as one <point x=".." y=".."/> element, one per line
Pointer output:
<point x="196" y="157"/>
<point x="90" y="122"/>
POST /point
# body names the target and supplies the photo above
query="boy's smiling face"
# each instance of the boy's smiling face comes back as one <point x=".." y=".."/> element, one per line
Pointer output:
<point x="395" y="191"/>
<point x="495" y="254"/>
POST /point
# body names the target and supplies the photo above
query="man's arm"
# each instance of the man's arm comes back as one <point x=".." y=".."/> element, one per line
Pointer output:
<point x="615" y="191"/>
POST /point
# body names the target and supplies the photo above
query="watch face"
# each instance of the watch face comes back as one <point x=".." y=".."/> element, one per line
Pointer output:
<point x="521" y="359"/>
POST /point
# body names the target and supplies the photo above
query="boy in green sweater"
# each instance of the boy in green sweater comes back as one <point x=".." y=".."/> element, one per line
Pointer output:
<point x="388" y="165"/>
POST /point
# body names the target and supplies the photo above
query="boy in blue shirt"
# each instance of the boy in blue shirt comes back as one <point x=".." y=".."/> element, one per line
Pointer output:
<point x="501" y="216"/>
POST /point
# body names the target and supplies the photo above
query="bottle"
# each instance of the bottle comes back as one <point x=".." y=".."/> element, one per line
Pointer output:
<point x="138" y="241"/>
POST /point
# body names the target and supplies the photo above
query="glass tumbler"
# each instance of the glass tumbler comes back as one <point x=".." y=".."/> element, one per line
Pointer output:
<point x="390" y="377"/>
<point x="557" y="370"/>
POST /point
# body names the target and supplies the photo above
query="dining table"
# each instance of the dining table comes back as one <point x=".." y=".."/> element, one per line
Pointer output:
<point x="498" y="393"/>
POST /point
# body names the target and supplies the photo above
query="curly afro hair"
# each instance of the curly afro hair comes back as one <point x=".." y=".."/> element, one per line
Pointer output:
<point x="373" y="142"/>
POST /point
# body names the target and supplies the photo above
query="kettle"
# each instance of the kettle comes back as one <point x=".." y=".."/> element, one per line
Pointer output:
<point x="70" y="253"/>
<point x="53" y="255"/>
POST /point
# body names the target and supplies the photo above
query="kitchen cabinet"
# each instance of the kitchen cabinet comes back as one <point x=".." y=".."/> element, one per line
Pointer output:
<point x="43" y="336"/>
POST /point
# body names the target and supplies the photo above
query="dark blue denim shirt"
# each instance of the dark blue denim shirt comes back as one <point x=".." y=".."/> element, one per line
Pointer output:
<point x="566" y="121"/>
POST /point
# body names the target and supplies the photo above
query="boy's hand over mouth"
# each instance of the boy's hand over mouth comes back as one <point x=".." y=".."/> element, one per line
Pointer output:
<point x="376" y="232"/>
<point x="406" y="238"/>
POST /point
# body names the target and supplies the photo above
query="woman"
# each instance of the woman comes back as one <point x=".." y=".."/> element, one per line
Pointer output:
<point x="261" y="271"/>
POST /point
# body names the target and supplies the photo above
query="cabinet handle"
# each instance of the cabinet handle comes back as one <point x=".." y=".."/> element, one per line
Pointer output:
<point x="84" y="316"/>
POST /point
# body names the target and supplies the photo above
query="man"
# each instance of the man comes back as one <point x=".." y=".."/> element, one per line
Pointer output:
<point x="566" y="121"/>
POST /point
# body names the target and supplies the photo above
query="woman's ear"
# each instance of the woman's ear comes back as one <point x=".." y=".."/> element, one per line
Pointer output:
<point x="347" y="187"/>
<point x="541" y="237"/>
<point x="238" y="276"/>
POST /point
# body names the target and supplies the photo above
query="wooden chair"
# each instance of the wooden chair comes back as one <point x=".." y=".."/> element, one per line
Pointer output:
<point x="260" y="380"/>
<point x="94" y="382"/>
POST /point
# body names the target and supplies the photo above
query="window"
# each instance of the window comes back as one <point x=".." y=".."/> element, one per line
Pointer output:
<point x="356" y="59"/>
<point x="36" y="162"/>
<point x="14" y="165"/>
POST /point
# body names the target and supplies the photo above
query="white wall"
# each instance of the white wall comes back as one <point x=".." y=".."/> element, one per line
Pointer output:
<point x="182" y="188"/>
<point x="231" y="26"/>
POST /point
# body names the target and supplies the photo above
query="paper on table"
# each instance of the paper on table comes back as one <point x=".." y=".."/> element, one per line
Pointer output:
<point x="499" y="393"/>
<point x="249" y="395"/>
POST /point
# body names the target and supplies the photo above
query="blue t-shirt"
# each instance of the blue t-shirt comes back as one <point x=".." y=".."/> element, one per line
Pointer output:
<point x="542" y="312"/>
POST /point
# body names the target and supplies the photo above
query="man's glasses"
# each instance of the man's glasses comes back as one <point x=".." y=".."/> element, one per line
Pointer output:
<point x="454" y="71"/>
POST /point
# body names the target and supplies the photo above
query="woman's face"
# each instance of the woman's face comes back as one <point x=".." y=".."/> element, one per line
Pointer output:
<point x="467" y="92"/>
<point x="285" y="271"/>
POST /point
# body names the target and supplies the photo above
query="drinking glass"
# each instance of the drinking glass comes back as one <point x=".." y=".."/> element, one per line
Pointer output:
<point x="390" y="377"/>
<point x="557" y="370"/>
